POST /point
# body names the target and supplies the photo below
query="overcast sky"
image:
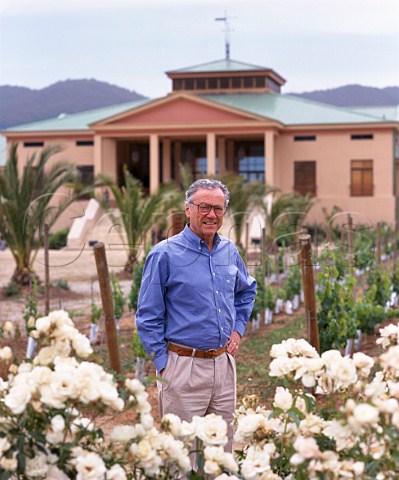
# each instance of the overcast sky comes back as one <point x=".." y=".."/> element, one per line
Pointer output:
<point x="313" y="44"/>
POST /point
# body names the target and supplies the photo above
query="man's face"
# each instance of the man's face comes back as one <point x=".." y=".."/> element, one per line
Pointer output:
<point x="205" y="225"/>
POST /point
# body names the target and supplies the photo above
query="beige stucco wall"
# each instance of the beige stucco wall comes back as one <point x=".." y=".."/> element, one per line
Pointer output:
<point x="333" y="152"/>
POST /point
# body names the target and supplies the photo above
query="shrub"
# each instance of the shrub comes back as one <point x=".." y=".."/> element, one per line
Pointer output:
<point x="58" y="240"/>
<point x="11" y="289"/>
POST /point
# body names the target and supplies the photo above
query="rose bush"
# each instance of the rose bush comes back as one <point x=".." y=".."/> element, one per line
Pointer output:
<point x="332" y="417"/>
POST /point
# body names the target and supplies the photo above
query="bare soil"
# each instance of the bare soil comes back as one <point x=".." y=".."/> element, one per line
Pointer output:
<point x="78" y="270"/>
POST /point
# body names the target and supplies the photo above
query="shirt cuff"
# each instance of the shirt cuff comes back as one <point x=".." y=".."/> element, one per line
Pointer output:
<point x="239" y="328"/>
<point x="160" y="362"/>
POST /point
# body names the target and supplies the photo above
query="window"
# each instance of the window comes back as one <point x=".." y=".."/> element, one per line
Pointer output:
<point x="259" y="82"/>
<point x="248" y="82"/>
<point x="33" y="144"/>
<point x="201" y="83"/>
<point x="189" y="83"/>
<point x="224" y="82"/>
<point x="251" y="160"/>
<point x="194" y="155"/>
<point x="304" y="138"/>
<point x="177" y="84"/>
<point x="236" y="81"/>
<point x="361" y="177"/>
<point x="86" y="174"/>
<point x="84" y="143"/>
<point x="212" y="83"/>
<point x="366" y="136"/>
<point x="305" y="177"/>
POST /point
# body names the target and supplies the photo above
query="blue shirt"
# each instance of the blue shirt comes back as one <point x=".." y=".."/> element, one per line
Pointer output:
<point x="191" y="296"/>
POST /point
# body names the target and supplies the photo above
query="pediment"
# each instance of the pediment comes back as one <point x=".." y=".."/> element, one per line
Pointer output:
<point x="179" y="110"/>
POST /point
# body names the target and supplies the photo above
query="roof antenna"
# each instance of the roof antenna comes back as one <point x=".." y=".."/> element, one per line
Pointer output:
<point x="227" y="31"/>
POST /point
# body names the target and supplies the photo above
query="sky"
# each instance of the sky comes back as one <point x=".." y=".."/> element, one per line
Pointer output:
<point x="313" y="44"/>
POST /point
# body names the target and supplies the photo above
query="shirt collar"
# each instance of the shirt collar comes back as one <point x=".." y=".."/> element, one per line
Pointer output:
<point x="195" y="239"/>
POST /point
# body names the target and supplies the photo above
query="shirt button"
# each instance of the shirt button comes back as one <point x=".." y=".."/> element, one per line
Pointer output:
<point x="222" y="328"/>
<point x="214" y="274"/>
<point x="217" y="291"/>
<point x="219" y="310"/>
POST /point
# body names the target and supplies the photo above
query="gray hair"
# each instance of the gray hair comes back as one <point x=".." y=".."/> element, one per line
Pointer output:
<point x="207" y="184"/>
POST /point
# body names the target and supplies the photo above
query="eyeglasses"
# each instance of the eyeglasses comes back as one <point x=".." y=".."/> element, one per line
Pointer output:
<point x="206" y="208"/>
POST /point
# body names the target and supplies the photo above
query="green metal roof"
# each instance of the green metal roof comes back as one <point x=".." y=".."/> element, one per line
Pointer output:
<point x="385" y="112"/>
<point x="78" y="121"/>
<point x="290" y="110"/>
<point x="220" y="66"/>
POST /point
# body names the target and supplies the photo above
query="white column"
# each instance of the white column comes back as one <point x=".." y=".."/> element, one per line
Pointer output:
<point x="109" y="158"/>
<point x="211" y="154"/>
<point x="222" y="155"/>
<point x="98" y="152"/>
<point x="166" y="160"/>
<point x="269" y="158"/>
<point x="154" y="163"/>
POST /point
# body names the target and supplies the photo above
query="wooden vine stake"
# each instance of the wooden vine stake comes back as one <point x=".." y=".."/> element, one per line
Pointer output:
<point x="309" y="290"/>
<point x="46" y="270"/>
<point x="108" y="307"/>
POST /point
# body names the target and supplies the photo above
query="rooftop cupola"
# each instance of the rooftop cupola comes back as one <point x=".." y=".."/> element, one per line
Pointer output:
<point x="225" y="76"/>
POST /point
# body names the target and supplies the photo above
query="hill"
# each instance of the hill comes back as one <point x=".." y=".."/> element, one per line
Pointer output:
<point x="354" y="96"/>
<point x="20" y="105"/>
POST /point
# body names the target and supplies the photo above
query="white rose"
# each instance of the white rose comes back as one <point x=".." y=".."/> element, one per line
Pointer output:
<point x="212" y="430"/>
<point x="256" y="462"/>
<point x="43" y="325"/>
<point x="147" y="421"/>
<point x="142" y="450"/>
<point x="116" y="472"/>
<point x="278" y="350"/>
<point x="90" y="466"/>
<point x="6" y="354"/>
<point x="58" y="423"/>
<point x="54" y="473"/>
<point x="82" y="346"/>
<point x="60" y="318"/>
<point x="123" y="433"/>
<point x="247" y="426"/>
<point x="307" y="447"/>
<point x="18" y="398"/>
<point x="171" y="423"/>
<point x="282" y="399"/>
<point x="45" y="356"/>
<point x="280" y="367"/>
<point x="343" y="372"/>
<point x="37" y="466"/>
<point x="330" y="357"/>
<point x="134" y="386"/>
<point x="363" y="363"/>
<point x="4" y="445"/>
<point x="8" y="327"/>
<point x="365" y="414"/>
<point x="9" y="464"/>
<point x="81" y="423"/>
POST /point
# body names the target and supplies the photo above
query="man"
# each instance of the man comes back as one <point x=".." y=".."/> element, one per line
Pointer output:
<point x="195" y="301"/>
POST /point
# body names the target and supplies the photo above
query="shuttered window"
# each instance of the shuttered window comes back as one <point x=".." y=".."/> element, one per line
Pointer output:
<point x="305" y="177"/>
<point x="361" y="178"/>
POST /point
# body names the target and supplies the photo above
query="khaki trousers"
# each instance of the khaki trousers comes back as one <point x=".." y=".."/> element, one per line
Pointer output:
<point x="199" y="386"/>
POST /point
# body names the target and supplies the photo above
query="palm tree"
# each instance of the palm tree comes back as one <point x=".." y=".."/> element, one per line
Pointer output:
<point x="283" y="214"/>
<point x="138" y="213"/>
<point x="25" y="198"/>
<point x="243" y="197"/>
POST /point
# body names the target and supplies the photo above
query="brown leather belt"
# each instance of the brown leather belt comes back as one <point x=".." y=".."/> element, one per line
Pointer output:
<point x="193" y="352"/>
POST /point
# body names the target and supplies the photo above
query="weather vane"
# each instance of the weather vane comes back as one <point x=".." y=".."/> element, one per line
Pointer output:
<point x="227" y="30"/>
